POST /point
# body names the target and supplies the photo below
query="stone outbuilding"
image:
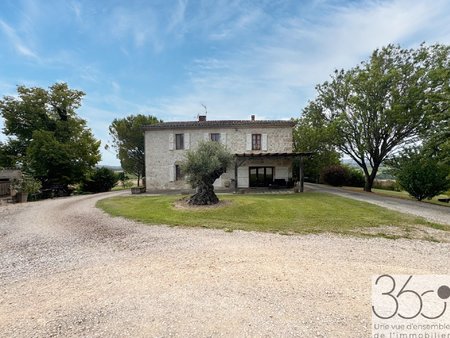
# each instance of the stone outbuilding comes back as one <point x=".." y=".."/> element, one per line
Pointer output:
<point x="7" y="176"/>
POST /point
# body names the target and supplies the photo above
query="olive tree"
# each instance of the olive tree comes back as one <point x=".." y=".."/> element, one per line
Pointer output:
<point x="203" y="166"/>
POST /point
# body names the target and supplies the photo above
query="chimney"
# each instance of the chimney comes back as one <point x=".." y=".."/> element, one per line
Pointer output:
<point x="202" y="118"/>
<point x="253" y="117"/>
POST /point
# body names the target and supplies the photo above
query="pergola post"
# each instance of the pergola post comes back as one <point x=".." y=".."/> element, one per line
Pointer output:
<point x="301" y="174"/>
<point x="235" y="175"/>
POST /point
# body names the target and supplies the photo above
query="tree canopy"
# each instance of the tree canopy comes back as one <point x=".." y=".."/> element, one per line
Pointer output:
<point x="203" y="166"/>
<point x="385" y="103"/>
<point x="311" y="134"/>
<point x="45" y="135"/>
<point x="128" y="139"/>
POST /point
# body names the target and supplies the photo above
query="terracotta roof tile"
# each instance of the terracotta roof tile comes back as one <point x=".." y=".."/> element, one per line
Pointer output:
<point x="219" y="124"/>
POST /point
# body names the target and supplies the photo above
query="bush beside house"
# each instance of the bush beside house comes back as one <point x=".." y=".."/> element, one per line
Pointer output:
<point x="339" y="175"/>
<point x="101" y="180"/>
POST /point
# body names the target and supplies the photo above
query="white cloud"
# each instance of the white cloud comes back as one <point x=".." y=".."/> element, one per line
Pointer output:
<point x="16" y="41"/>
<point x="77" y="9"/>
<point x="236" y="26"/>
<point x="115" y="86"/>
<point x="276" y="74"/>
<point x="178" y="15"/>
<point x="140" y="25"/>
<point x="255" y="61"/>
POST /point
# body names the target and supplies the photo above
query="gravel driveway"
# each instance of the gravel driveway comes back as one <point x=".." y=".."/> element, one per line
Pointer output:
<point x="432" y="212"/>
<point x="68" y="269"/>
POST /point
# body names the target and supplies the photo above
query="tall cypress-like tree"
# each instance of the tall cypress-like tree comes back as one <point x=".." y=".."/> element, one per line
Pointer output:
<point x="128" y="139"/>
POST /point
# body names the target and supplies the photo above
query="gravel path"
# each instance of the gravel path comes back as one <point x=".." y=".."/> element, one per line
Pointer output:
<point x="68" y="269"/>
<point x="432" y="212"/>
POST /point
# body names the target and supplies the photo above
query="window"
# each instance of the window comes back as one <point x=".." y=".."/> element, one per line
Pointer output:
<point x="215" y="137"/>
<point x="179" y="141"/>
<point x="178" y="173"/>
<point x="260" y="176"/>
<point x="256" y="141"/>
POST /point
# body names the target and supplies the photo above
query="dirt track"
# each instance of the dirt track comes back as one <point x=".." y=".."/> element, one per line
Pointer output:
<point x="68" y="269"/>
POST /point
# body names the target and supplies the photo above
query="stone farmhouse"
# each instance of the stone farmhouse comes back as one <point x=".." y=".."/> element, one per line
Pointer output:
<point x="263" y="152"/>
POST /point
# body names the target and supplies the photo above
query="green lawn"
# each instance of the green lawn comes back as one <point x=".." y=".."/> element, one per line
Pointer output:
<point x="403" y="195"/>
<point x="289" y="213"/>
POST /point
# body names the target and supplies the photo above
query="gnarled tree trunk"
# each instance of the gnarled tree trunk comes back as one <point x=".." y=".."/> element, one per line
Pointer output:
<point x="204" y="196"/>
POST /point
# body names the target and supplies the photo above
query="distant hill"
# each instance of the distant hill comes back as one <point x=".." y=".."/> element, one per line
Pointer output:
<point x="117" y="168"/>
<point x="383" y="171"/>
<point x="350" y="162"/>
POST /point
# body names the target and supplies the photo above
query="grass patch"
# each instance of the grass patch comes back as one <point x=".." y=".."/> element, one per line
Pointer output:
<point x="286" y="214"/>
<point x="402" y="195"/>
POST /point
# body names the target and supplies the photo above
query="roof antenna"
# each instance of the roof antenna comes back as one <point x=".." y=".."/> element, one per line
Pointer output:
<point x="206" y="110"/>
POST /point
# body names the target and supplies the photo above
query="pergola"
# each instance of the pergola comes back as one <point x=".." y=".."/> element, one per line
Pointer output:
<point x="240" y="159"/>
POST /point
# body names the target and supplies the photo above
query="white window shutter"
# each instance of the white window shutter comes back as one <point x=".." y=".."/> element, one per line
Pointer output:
<point x="187" y="141"/>
<point x="264" y="142"/>
<point x="249" y="142"/>
<point x="171" y="143"/>
<point x="223" y="138"/>
<point x="206" y="136"/>
<point x="172" y="173"/>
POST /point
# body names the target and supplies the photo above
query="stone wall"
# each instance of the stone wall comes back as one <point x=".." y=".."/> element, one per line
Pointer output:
<point x="161" y="157"/>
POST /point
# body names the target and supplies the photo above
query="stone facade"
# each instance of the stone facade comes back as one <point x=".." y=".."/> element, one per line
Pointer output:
<point x="162" y="157"/>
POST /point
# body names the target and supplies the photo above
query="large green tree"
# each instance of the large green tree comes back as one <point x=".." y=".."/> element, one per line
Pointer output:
<point x="46" y="137"/>
<point x="128" y="139"/>
<point x="437" y="137"/>
<point x="385" y="103"/>
<point x="203" y="166"/>
<point x="311" y="134"/>
<point x="6" y="156"/>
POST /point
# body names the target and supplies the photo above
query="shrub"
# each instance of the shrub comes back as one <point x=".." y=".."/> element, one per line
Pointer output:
<point x="355" y="178"/>
<point x="26" y="184"/>
<point x="423" y="177"/>
<point x="124" y="180"/>
<point x="101" y="180"/>
<point x="335" y="175"/>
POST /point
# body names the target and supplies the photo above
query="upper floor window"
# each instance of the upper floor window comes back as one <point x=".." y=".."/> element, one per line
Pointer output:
<point x="215" y="137"/>
<point x="179" y="141"/>
<point x="256" y="141"/>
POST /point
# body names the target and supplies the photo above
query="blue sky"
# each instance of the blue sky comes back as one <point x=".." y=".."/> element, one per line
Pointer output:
<point x="167" y="58"/>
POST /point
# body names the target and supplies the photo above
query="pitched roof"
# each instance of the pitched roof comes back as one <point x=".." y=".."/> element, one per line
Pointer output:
<point x="219" y="124"/>
<point x="285" y="154"/>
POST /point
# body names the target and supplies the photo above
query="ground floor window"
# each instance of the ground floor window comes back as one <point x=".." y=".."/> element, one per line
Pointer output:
<point x="178" y="173"/>
<point x="260" y="176"/>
